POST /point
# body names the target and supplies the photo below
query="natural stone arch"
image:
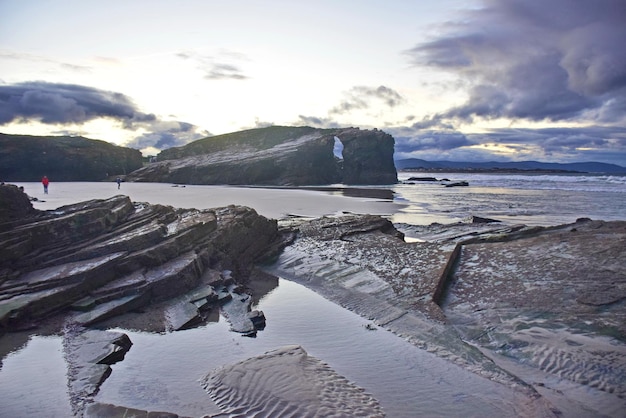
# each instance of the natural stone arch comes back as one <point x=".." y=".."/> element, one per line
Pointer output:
<point x="367" y="157"/>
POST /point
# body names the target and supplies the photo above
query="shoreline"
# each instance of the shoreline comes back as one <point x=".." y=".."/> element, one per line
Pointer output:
<point x="275" y="203"/>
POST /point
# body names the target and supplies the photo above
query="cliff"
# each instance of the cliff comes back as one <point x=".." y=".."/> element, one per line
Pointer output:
<point x="279" y="156"/>
<point x="63" y="158"/>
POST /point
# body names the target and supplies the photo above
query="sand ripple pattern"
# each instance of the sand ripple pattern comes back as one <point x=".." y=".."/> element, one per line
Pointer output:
<point x="287" y="382"/>
<point x="597" y="362"/>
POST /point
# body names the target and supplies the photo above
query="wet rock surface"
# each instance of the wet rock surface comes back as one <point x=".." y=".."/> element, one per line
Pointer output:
<point x="98" y="262"/>
<point x="553" y="300"/>
<point x="106" y="257"/>
<point x="539" y="309"/>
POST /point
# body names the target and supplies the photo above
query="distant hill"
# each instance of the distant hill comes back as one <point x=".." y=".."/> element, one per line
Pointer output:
<point x="491" y="166"/>
<point x="63" y="158"/>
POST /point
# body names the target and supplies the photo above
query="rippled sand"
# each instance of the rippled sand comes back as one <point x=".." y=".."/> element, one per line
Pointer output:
<point x="287" y="382"/>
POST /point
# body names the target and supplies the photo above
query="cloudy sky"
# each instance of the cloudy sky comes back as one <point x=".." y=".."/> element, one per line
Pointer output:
<point x="449" y="79"/>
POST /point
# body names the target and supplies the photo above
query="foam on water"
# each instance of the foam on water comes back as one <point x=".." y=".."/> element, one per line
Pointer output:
<point x="529" y="199"/>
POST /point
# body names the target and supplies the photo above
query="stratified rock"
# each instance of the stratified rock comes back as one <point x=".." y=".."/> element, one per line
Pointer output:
<point x="553" y="299"/>
<point x="103" y="258"/>
<point x="89" y="354"/>
<point x="257" y="318"/>
<point x="278" y="155"/>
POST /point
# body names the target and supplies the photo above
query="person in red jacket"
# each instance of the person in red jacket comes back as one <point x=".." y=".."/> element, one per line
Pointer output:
<point x="45" y="183"/>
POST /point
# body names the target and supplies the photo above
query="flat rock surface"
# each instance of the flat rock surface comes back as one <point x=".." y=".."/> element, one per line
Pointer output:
<point x="540" y="309"/>
<point x="554" y="301"/>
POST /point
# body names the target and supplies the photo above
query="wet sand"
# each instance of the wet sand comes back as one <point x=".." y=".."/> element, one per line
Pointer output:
<point x="270" y="202"/>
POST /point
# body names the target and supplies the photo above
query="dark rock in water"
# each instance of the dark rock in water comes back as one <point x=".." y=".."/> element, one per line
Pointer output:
<point x="457" y="184"/>
<point x="89" y="354"/>
<point x="278" y="155"/>
<point x="422" y="179"/>
<point x="480" y="220"/>
<point x="109" y="257"/>
<point x="257" y="318"/>
<point x="103" y="261"/>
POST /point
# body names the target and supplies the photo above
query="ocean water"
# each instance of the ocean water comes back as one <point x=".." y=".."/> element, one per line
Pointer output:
<point x="531" y="199"/>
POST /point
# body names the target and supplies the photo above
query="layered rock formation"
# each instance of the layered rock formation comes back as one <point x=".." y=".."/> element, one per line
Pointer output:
<point x="64" y="158"/>
<point x="539" y="309"/>
<point x="97" y="261"/>
<point x="105" y="257"/>
<point x="280" y="156"/>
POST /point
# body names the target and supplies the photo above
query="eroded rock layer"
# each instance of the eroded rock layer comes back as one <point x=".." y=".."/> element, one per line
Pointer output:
<point x="278" y="155"/>
<point x="541" y="310"/>
<point x="102" y="258"/>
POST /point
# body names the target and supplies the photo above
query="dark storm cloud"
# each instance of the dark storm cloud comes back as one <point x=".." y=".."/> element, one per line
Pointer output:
<point x="361" y="97"/>
<point x="59" y="104"/>
<point x="431" y="141"/>
<point x="168" y="134"/>
<point x="52" y="103"/>
<point x="536" y="59"/>
<point x="595" y="143"/>
<point x="562" y="140"/>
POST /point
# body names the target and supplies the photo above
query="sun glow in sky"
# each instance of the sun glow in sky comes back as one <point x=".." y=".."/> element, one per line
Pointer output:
<point x="449" y="79"/>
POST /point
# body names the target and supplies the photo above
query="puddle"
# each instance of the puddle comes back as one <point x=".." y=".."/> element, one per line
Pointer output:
<point x="33" y="380"/>
<point x="162" y="372"/>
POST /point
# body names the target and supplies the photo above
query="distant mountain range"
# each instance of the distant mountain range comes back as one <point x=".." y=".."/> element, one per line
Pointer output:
<point x="493" y="166"/>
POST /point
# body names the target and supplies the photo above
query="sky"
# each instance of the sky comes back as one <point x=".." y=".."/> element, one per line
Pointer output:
<point x="471" y="80"/>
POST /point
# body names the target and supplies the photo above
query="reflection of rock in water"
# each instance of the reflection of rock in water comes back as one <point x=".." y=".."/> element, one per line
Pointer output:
<point x="287" y="382"/>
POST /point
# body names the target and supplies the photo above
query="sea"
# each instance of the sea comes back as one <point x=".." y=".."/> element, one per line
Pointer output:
<point x="530" y="199"/>
<point x="162" y="371"/>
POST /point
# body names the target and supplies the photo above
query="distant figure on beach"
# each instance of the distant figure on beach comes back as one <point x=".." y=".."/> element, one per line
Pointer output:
<point x="119" y="182"/>
<point x="45" y="183"/>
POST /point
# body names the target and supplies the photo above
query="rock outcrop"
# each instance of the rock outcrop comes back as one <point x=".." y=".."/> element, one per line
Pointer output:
<point x="102" y="258"/>
<point x="63" y="158"/>
<point x="14" y="204"/>
<point x="279" y="156"/>
<point x="100" y="261"/>
<point x="541" y="309"/>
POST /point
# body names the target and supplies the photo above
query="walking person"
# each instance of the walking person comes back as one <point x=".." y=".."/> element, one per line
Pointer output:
<point x="119" y="182"/>
<point x="45" y="183"/>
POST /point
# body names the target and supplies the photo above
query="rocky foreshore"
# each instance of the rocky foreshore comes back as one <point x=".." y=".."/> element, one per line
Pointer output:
<point x="540" y="310"/>
<point x="97" y="261"/>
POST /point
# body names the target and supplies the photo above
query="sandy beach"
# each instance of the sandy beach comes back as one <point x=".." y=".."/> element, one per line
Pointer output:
<point x="270" y="202"/>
